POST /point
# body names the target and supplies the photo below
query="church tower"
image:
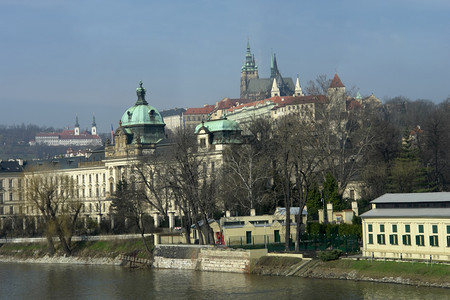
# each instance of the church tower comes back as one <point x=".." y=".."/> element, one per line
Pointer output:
<point x="248" y="71"/>
<point x="77" y="127"/>
<point x="275" y="91"/>
<point x="94" y="126"/>
<point x="298" y="89"/>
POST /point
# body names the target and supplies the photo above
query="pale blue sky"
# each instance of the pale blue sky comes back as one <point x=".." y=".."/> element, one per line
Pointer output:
<point x="59" y="58"/>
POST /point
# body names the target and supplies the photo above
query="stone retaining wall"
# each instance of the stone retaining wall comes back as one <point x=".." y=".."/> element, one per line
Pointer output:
<point x="205" y="258"/>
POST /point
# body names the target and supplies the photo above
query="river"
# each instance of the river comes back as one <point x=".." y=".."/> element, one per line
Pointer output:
<point x="45" y="281"/>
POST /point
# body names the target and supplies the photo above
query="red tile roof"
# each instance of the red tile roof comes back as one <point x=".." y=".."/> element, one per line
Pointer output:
<point x="336" y="82"/>
<point x="200" y="110"/>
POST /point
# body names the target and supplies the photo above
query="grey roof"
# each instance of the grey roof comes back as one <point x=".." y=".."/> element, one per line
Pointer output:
<point x="257" y="85"/>
<point x="407" y="212"/>
<point x="10" y="166"/>
<point x="172" y="112"/>
<point x="413" y="197"/>
<point x="294" y="211"/>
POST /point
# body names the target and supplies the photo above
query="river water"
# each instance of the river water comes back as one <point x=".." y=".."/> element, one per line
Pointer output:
<point x="45" y="281"/>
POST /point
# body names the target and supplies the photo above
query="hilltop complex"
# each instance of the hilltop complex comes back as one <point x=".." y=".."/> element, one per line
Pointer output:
<point x="146" y="138"/>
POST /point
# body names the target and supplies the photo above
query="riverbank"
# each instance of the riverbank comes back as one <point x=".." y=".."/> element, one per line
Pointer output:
<point x="106" y="252"/>
<point x="128" y="252"/>
<point x="400" y="272"/>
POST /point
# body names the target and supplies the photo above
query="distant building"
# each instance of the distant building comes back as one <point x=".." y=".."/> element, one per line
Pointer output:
<point x="253" y="87"/>
<point x="173" y="118"/>
<point x="195" y="116"/>
<point x="69" y="137"/>
<point x="408" y="226"/>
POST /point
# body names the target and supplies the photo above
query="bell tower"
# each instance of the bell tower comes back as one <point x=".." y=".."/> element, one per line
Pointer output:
<point x="94" y="126"/>
<point x="248" y="71"/>
<point x="77" y="126"/>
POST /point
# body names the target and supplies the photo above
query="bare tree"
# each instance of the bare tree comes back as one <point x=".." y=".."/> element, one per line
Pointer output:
<point x="247" y="172"/>
<point x="129" y="204"/>
<point x="54" y="196"/>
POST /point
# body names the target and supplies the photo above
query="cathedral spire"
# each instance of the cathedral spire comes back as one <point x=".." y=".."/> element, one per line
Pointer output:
<point x="273" y="66"/>
<point x="250" y="64"/>
<point x="140" y="91"/>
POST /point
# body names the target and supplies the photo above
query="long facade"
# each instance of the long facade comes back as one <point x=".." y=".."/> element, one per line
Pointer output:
<point x="408" y="226"/>
<point x="141" y="133"/>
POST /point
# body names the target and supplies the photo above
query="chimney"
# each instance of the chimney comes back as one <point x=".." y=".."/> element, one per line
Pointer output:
<point x="252" y="212"/>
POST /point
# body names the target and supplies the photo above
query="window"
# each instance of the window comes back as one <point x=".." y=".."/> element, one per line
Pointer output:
<point x="10" y="183"/>
<point x="10" y="196"/>
<point x="381" y="227"/>
<point x="1" y="197"/>
<point x="369" y="227"/>
<point x="406" y="239"/>
<point x="394" y="228"/>
<point x="1" y="183"/>
<point x="352" y="194"/>
<point x="420" y="228"/>
<point x="434" y="228"/>
<point x="212" y="167"/>
<point x="420" y="240"/>
<point x="434" y="241"/>
<point x="407" y="228"/>
<point x="11" y="210"/>
<point x="393" y="239"/>
<point x="370" y="238"/>
<point x="448" y="229"/>
<point x="202" y="143"/>
<point x="381" y="239"/>
<point x="448" y="240"/>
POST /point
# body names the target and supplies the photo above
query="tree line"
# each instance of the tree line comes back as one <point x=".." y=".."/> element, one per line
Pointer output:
<point x="400" y="146"/>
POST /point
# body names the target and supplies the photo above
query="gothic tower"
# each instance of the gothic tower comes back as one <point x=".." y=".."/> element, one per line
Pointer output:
<point x="248" y="71"/>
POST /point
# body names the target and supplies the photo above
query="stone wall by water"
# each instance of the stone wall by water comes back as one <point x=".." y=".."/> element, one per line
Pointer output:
<point x="205" y="258"/>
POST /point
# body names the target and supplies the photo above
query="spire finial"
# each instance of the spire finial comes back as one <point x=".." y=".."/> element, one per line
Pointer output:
<point x="140" y="91"/>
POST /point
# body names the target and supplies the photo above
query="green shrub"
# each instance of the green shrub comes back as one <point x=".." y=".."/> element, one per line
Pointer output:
<point x="329" y="254"/>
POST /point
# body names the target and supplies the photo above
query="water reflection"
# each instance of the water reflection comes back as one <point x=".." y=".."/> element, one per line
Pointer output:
<point x="29" y="281"/>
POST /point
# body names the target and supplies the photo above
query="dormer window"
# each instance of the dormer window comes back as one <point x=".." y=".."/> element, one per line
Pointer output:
<point x="129" y="115"/>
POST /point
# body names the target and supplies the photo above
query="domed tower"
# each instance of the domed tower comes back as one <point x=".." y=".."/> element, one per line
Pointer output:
<point x="142" y="122"/>
<point x="140" y="127"/>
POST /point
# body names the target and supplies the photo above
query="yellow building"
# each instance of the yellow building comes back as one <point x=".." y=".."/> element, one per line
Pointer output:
<point x="408" y="226"/>
<point x="262" y="229"/>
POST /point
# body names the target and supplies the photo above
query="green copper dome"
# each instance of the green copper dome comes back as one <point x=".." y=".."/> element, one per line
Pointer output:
<point x="219" y="125"/>
<point x="221" y="131"/>
<point x="142" y="121"/>
<point x="141" y="113"/>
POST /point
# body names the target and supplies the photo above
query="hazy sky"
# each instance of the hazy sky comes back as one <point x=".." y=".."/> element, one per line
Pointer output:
<point x="62" y="58"/>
